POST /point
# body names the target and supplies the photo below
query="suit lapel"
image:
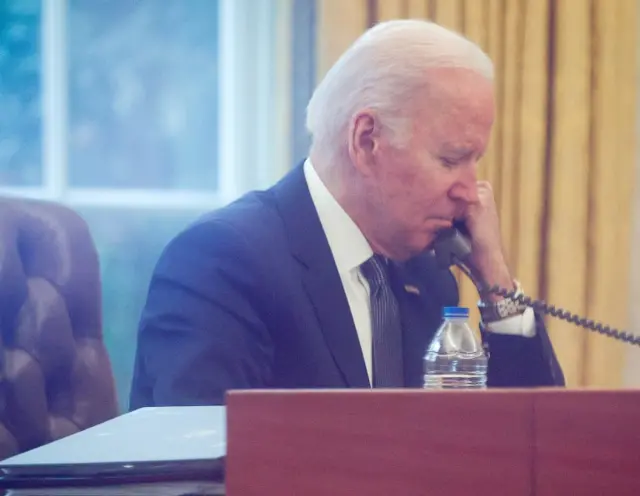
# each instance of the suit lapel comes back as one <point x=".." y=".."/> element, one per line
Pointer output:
<point x="332" y="309"/>
<point x="320" y="276"/>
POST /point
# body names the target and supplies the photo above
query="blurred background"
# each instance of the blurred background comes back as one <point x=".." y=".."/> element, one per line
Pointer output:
<point x="143" y="114"/>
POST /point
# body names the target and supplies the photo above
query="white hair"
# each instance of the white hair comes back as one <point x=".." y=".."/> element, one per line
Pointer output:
<point x="381" y="71"/>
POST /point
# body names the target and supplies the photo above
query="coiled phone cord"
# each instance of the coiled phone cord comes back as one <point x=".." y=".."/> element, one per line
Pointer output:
<point x="559" y="313"/>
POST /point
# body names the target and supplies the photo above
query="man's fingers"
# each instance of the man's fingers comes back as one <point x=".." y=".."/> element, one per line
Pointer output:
<point x="486" y="185"/>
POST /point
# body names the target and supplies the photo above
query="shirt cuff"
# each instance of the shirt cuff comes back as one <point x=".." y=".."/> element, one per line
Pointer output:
<point x="518" y="325"/>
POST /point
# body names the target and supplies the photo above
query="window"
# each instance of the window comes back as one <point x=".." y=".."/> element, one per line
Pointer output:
<point x="20" y="93"/>
<point x="142" y="94"/>
<point x="137" y="114"/>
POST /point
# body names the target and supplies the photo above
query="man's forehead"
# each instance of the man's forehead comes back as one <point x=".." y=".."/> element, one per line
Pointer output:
<point x="458" y="134"/>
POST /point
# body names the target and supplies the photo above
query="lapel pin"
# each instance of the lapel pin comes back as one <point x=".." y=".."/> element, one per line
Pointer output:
<point x="411" y="289"/>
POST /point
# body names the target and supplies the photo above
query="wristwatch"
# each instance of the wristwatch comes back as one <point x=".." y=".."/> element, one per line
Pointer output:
<point x="493" y="311"/>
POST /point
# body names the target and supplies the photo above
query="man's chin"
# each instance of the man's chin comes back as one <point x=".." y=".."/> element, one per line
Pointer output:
<point x="413" y="247"/>
<point x="416" y="250"/>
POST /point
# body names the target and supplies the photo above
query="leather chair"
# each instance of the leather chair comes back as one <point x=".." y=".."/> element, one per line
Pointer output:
<point x="55" y="373"/>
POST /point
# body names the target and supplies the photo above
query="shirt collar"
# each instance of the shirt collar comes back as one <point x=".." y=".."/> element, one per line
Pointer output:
<point x="349" y="246"/>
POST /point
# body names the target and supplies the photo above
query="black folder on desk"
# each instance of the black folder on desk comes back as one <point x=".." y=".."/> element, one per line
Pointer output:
<point x="169" y="450"/>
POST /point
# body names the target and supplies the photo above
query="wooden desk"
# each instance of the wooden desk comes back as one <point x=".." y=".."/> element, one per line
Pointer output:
<point x="415" y="442"/>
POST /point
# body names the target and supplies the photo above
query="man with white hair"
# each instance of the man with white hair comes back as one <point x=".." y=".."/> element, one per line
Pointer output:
<point x="277" y="289"/>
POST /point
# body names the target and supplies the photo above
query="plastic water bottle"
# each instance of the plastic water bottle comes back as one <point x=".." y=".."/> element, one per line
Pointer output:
<point x="455" y="359"/>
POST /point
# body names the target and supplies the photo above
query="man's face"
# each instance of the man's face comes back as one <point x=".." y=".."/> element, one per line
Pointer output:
<point x="417" y="191"/>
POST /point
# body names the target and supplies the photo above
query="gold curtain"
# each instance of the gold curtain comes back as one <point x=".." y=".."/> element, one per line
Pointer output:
<point x="562" y="153"/>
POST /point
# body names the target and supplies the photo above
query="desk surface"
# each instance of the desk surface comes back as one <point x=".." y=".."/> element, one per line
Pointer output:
<point x="176" y="450"/>
<point x="148" y="434"/>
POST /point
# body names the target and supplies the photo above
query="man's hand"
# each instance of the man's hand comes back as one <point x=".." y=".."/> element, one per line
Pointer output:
<point x="487" y="260"/>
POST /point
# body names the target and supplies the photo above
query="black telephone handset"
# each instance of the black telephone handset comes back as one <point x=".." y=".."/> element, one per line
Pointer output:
<point x="453" y="247"/>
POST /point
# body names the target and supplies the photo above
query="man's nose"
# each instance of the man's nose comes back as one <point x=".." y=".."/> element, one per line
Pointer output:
<point x="465" y="190"/>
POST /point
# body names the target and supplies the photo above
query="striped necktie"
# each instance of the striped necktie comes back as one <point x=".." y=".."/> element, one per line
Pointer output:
<point x="385" y="325"/>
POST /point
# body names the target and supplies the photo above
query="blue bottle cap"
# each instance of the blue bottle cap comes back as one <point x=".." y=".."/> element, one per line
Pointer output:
<point x="455" y="312"/>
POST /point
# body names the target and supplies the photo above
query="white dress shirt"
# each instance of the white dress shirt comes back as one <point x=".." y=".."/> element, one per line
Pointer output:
<point x="351" y="249"/>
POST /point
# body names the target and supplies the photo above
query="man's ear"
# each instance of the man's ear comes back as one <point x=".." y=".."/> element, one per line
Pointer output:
<point x="364" y="140"/>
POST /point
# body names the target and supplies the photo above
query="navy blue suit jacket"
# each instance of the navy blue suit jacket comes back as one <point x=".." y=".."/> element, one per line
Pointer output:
<point x="249" y="297"/>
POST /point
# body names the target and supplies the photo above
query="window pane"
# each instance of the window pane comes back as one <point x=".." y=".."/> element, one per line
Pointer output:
<point x="20" y="113"/>
<point x="143" y="93"/>
<point x="129" y="243"/>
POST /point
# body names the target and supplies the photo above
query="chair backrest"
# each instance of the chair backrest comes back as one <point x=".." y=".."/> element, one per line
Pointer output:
<point x="55" y="372"/>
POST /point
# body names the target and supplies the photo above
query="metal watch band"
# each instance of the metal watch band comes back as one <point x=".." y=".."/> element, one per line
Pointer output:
<point x="501" y="309"/>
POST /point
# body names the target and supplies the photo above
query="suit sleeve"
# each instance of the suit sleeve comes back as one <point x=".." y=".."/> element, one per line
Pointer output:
<point x="517" y="361"/>
<point x="201" y="331"/>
